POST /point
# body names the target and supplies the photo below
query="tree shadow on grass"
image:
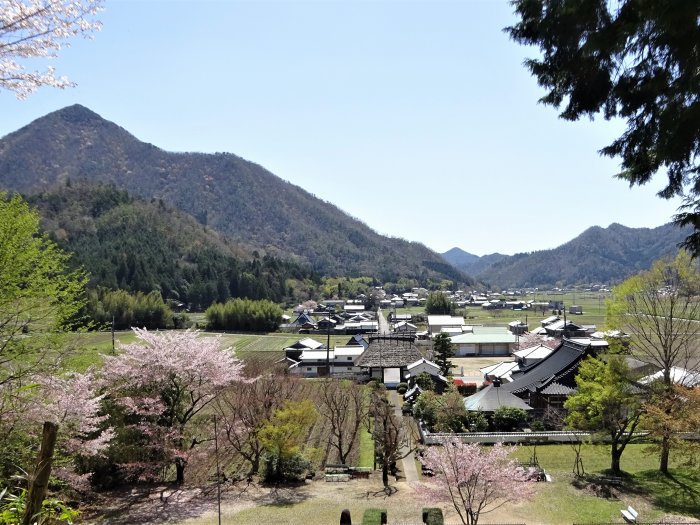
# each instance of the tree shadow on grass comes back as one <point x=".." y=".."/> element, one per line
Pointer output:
<point x="383" y="493"/>
<point x="146" y="504"/>
<point x="287" y="494"/>
<point x="677" y="493"/>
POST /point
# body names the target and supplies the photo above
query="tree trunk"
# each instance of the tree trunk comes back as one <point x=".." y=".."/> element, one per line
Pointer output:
<point x="385" y="474"/>
<point x="40" y="481"/>
<point x="665" y="452"/>
<point x="616" y="454"/>
<point x="180" y="471"/>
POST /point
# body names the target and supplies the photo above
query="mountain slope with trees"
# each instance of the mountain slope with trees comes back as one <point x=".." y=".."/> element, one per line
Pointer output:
<point x="598" y="255"/>
<point x="139" y="246"/>
<point x="231" y="195"/>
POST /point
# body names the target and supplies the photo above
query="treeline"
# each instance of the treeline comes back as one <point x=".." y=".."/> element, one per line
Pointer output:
<point x="244" y="314"/>
<point x="138" y="246"/>
<point x="123" y="310"/>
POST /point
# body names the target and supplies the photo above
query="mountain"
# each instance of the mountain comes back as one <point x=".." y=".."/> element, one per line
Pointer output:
<point x="137" y="245"/>
<point x="222" y="191"/>
<point x="598" y="255"/>
<point x="469" y="263"/>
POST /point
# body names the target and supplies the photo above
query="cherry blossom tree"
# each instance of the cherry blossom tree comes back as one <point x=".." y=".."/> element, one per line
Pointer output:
<point x="162" y="384"/>
<point x="31" y="29"/>
<point x="476" y="479"/>
<point x="74" y="406"/>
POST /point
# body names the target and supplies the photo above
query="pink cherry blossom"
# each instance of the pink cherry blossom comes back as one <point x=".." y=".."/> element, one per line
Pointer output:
<point x="474" y="478"/>
<point x="31" y="29"/>
<point x="164" y="381"/>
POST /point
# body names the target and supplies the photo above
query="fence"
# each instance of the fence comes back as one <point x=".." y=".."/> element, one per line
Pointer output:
<point x="564" y="436"/>
<point x="433" y="438"/>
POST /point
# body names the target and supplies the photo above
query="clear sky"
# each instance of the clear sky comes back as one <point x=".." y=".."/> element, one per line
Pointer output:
<point x="416" y="117"/>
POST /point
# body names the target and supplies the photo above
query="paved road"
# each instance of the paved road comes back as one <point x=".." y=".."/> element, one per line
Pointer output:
<point x="383" y="324"/>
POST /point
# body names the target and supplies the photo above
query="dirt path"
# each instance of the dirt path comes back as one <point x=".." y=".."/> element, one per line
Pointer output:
<point x="166" y="504"/>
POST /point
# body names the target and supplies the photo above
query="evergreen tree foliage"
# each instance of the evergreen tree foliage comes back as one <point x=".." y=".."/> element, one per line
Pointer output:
<point x="126" y="310"/>
<point x="438" y="303"/>
<point x="508" y="419"/>
<point x="244" y="314"/>
<point x="633" y="60"/>
<point x="443" y="349"/>
<point x="137" y="246"/>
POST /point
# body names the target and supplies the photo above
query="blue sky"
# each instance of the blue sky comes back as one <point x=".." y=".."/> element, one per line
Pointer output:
<point x="416" y="117"/>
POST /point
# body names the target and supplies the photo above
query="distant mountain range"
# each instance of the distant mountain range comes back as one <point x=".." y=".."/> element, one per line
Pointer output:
<point x="107" y="196"/>
<point x="598" y="255"/>
<point x="237" y="198"/>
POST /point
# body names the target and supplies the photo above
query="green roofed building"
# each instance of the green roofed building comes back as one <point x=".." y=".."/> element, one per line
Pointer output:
<point x="484" y="340"/>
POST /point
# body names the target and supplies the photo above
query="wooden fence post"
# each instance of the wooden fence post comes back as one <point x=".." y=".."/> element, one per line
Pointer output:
<point x="40" y="480"/>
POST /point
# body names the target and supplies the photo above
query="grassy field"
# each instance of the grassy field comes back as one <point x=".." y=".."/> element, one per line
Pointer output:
<point x="87" y="349"/>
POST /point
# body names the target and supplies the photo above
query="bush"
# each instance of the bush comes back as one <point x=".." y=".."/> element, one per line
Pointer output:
<point x="537" y="426"/>
<point x="285" y="469"/>
<point x="432" y="516"/>
<point x="374" y="517"/>
<point x="477" y="422"/>
<point x="507" y="419"/>
<point x="402" y="388"/>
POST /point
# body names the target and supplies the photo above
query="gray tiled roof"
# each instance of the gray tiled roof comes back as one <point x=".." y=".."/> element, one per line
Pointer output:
<point x="389" y="353"/>
<point x="491" y="398"/>
<point x="561" y="366"/>
<point x="557" y="389"/>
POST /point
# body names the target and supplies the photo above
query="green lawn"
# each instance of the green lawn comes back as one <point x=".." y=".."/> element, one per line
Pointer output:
<point x="651" y="494"/>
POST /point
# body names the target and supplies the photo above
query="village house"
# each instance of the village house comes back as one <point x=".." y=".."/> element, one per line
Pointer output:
<point x="339" y="362"/>
<point x="493" y="397"/>
<point x="387" y="358"/>
<point x="403" y="326"/>
<point x="444" y="323"/>
<point x="294" y="351"/>
<point x="549" y="381"/>
<point x="484" y="340"/>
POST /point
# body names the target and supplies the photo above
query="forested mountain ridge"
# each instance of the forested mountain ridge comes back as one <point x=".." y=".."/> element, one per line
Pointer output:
<point x="131" y="244"/>
<point x="598" y="255"/>
<point x="231" y="195"/>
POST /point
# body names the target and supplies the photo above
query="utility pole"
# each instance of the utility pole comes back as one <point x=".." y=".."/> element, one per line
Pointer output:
<point x="328" y="342"/>
<point x="218" y="480"/>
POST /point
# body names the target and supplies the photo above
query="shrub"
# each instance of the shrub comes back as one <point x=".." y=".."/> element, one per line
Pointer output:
<point x="402" y="388"/>
<point x="537" y="426"/>
<point x="507" y="419"/>
<point x="374" y="517"/>
<point x="477" y="422"/>
<point x="278" y="468"/>
<point x="432" y="516"/>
